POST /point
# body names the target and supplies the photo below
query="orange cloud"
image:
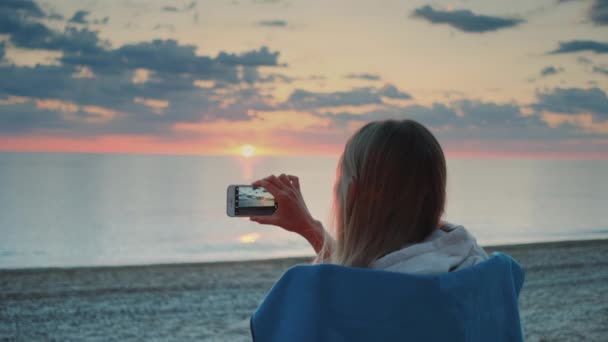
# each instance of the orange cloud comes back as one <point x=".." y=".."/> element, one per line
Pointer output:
<point x="583" y="120"/>
<point x="140" y="76"/>
<point x="70" y="111"/>
<point x="84" y="72"/>
<point x="155" y="104"/>
<point x="99" y="114"/>
<point x="14" y="100"/>
<point x="261" y="122"/>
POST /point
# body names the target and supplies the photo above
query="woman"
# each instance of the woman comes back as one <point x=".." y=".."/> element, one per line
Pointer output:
<point x="390" y="194"/>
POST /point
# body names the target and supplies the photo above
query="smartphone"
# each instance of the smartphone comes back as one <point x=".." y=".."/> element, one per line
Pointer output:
<point x="247" y="200"/>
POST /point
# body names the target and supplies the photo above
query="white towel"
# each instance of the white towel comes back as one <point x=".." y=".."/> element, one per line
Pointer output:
<point x="449" y="248"/>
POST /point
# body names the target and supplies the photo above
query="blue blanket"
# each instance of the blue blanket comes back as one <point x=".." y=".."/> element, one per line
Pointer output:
<point x="336" y="303"/>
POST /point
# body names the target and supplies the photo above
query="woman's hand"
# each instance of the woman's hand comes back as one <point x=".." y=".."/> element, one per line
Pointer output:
<point x="292" y="213"/>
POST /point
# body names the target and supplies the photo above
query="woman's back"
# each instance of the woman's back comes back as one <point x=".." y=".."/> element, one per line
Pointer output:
<point x="336" y="303"/>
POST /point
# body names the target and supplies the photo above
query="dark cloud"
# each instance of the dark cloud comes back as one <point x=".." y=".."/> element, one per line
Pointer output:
<point x="261" y="57"/>
<point x="2" y="51"/>
<point x="55" y="16"/>
<point x="185" y="101"/>
<point x="168" y="56"/>
<point x="583" y="60"/>
<point x="22" y="8"/>
<point x="600" y="70"/>
<point x="363" y="76"/>
<point x="152" y="106"/>
<point x="581" y="45"/>
<point x="174" y="9"/>
<point x="465" y="20"/>
<point x="436" y="115"/>
<point x="80" y="17"/>
<point x="307" y="100"/>
<point x="25" y="117"/>
<point x="273" y="23"/>
<point x="392" y="92"/>
<point x="251" y="75"/>
<point x="26" y="33"/>
<point x="170" y="9"/>
<point x="598" y="13"/>
<point x="464" y="118"/>
<point x="550" y="70"/>
<point x="574" y="101"/>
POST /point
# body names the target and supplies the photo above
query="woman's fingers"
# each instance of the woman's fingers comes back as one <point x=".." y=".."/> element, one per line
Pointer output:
<point x="274" y="190"/>
<point x="263" y="219"/>
<point x="285" y="180"/>
<point x="274" y="180"/>
<point x="275" y="184"/>
<point x="295" y="181"/>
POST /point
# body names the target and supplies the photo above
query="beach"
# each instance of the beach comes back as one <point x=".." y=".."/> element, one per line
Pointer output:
<point x="565" y="298"/>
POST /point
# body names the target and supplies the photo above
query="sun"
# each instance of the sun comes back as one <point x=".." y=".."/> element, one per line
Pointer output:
<point x="247" y="151"/>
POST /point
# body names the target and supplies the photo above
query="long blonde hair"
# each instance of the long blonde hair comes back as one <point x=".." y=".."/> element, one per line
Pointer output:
<point x="399" y="174"/>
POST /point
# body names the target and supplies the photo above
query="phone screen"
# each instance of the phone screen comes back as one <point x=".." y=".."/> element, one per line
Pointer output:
<point x="253" y="201"/>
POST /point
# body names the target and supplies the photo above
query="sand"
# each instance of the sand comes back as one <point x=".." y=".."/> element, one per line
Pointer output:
<point x="565" y="298"/>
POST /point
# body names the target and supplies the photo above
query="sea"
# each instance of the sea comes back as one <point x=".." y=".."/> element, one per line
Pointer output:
<point x="68" y="210"/>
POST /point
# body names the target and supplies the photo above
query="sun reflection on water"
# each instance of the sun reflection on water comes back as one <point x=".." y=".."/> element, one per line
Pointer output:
<point x="249" y="238"/>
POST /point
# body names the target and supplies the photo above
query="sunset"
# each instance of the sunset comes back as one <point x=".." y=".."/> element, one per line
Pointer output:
<point x="247" y="151"/>
<point x="303" y="170"/>
<point x="491" y="79"/>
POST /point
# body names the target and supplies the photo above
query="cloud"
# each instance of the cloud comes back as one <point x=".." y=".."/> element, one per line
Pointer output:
<point x="173" y="67"/>
<point x="261" y="57"/>
<point x="464" y="118"/>
<point x="392" y="92"/>
<point x="550" y="70"/>
<point x="307" y="100"/>
<point x="96" y="89"/>
<point x="170" y="9"/>
<point x="168" y="56"/>
<point x="598" y="12"/>
<point x="363" y="76"/>
<point x="574" y="101"/>
<point x="273" y="23"/>
<point x="465" y="20"/>
<point x="581" y="45"/>
<point x="26" y="33"/>
<point x="164" y="100"/>
<point x="583" y="60"/>
<point x="2" y="51"/>
<point x="251" y="75"/>
<point x="25" y="117"/>
<point x="600" y="70"/>
<point x="174" y="9"/>
<point x="80" y="17"/>
<point x="22" y="8"/>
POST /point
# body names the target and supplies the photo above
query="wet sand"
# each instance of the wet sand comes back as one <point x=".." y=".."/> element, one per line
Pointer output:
<point x="565" y="298"/>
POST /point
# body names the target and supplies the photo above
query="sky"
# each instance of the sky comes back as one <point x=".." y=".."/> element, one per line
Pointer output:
<point x="298" y="77"/>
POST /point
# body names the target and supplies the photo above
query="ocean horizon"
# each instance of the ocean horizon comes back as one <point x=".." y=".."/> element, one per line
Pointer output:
<point x="72" y="209"/>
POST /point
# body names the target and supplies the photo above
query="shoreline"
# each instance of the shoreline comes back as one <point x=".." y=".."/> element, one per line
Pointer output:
<point x="563" y="297"/>
<point x="294" y="259"/>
